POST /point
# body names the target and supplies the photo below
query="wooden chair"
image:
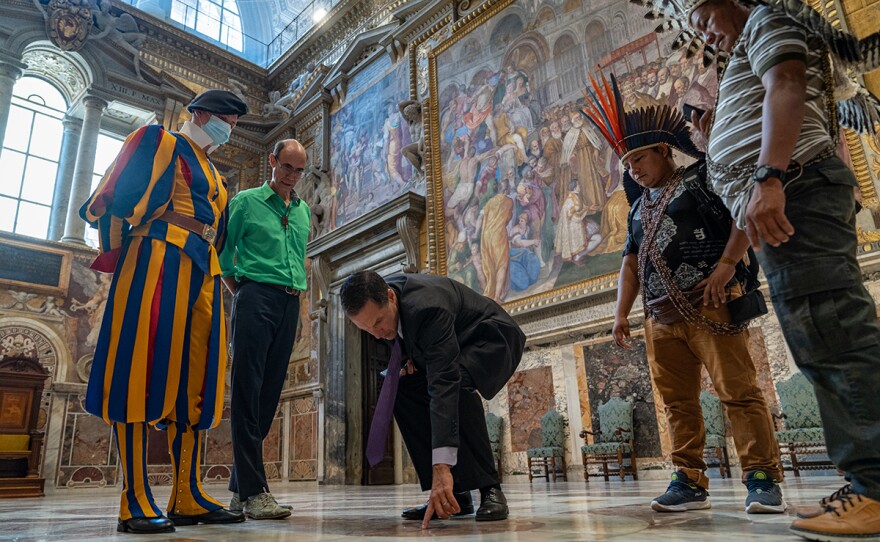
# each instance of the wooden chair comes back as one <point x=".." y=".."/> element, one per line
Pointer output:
<point x="715" y="452"/>
<point x="21" y="389"/>
<point x="803" y="434"/>
<point x="493" y="426"/>
<point x="614" y="441"/>
<point x="553" y="440"/>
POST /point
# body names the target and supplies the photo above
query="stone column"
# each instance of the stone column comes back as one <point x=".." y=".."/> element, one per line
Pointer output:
<point x="74" y="227"/>
<point x="10" y="71"/>
<point x="64" y="177"/>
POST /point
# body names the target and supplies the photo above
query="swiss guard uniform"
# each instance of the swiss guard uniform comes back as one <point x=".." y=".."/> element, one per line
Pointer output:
<point x="161" y="354"/>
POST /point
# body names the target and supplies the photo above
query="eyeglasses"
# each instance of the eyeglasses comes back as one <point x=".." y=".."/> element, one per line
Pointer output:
<point x="289" y="170"/>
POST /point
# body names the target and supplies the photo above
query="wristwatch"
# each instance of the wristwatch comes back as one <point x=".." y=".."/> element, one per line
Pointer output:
<point x="762" y="173"/>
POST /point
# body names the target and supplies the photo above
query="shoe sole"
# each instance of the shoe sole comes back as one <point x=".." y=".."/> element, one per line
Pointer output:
<point x="693" y="505"/>
<point x="184" y="522"/>
<point x="825" y="537"/>
<point x="126" y="529"/>
<point x="491" y="518"/>
<point x="279" y="516"/>
<point x="761" y="508"/>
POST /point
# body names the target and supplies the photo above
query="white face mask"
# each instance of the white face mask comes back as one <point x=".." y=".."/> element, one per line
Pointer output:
<point x="217" y="130"/>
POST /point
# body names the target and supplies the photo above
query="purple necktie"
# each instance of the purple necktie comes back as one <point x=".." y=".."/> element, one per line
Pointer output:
<point x="384" y="407"/>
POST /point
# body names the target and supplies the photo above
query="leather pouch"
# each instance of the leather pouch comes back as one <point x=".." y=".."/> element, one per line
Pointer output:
<point x="747" y="307"/>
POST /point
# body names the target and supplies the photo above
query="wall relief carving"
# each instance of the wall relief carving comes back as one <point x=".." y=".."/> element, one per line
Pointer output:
<point x="415" y="151"/>
<point x="122" y="30"/>
<point x="25" y="341"/>
<point x="68" y="22"/>
<point x="57" y="67"/>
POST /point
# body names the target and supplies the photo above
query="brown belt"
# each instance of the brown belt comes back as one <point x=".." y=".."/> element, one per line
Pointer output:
<point x="205" y="231"/>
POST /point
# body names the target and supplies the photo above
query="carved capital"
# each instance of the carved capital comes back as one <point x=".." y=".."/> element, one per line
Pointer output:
<point x="94" y="102"/>
<point x="11" y="70"/>
<point x="72" y="125"/>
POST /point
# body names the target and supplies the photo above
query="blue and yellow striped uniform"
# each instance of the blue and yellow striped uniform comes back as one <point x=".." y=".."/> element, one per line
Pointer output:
<point x="161" y="352"/>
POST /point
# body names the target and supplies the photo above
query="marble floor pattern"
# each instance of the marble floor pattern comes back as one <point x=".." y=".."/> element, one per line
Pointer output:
<point x="540" y="512"/>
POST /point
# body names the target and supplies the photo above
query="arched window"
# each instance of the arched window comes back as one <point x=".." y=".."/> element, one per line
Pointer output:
<point x="216" y="19"/>
<point x="106" y="150"/>
<point x="597" y="42"/>
<point x="569" y="65"/>
<point x="29" y="159"/>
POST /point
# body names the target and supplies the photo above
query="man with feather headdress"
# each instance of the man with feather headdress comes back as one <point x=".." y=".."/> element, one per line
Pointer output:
<point x="771" y="157"/>
<point x="688" y="263"/>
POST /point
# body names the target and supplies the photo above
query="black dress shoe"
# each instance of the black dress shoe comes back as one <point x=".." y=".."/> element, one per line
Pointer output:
<point x="493" y="506"/>
<point x="221" y="515"/>
<point x="463" y="499"/>
<point x="160" y="524"/>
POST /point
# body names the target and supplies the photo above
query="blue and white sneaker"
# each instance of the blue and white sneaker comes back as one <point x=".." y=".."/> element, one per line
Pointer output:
<point x="682" y="495"/>
<point x="765" y="497"/>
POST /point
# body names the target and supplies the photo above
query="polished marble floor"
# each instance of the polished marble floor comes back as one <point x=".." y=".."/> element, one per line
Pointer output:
<point x="540" y="512"/>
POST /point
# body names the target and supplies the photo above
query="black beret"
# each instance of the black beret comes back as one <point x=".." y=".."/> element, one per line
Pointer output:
<point x="221" y="102"/>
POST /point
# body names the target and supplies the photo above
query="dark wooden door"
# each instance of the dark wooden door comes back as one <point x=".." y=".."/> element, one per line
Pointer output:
<point x="375" y="360"/>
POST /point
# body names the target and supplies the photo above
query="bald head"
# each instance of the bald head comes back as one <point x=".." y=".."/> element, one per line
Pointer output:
<point x="286" y="147"/>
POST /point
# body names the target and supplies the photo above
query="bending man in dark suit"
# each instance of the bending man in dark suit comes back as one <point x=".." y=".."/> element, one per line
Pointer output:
<point x="458" y="343"/>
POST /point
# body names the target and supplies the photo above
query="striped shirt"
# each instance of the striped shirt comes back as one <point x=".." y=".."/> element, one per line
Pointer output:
<point x="768" y="38"/>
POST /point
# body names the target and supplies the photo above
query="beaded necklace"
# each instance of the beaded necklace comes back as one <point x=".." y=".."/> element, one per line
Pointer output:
<point x="652" y="216"/>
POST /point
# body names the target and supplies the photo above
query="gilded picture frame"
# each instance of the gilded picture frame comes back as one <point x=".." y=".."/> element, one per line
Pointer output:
<point x="498" y="84"/>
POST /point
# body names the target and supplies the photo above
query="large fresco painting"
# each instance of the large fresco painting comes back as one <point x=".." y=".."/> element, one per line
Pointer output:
<point x="527" y="195"/>
<point x="366" y="136"/>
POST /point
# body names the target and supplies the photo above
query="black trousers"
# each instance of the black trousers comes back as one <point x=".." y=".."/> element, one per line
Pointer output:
<point x="263" y="329"/>
<point x="476" y="464"/>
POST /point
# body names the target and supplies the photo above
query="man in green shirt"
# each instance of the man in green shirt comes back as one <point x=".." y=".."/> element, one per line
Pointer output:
<point x="263" y="265"/>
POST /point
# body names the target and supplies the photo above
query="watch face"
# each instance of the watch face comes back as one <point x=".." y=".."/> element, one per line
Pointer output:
<point x="762" y="173"/>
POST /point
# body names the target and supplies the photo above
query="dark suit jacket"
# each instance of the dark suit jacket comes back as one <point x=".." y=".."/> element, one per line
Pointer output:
<point x="446" y="325"/>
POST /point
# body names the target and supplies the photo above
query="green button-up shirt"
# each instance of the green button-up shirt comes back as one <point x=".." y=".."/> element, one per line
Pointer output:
<point x="258" y="246"/>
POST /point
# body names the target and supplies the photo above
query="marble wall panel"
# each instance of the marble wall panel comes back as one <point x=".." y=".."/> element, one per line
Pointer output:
<point x="530" y="395"/>
<point x="88" y="451"/>
<point x="218" y="445"/>
<point x="614" y="372"/>
<point x="304" y="439"/>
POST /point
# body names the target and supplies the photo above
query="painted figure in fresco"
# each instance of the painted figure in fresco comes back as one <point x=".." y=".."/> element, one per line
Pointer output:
<point x="576" y="234"/>
<point x="687" y="267"/>
<point x="507" y="133"/>
<point x="263" y="265"/>
<point x="457" y="346"/>
<point x="466" y="176"/>
<point x="773" y="127"/>
<point x="580" y="152"/>
<point x="494" y="241"/>
<point x="612" y="227"/>
<point x="164" y="368"/>
<point x="94" y="307"/>
<point x="525" y="254"/>
<point x="392" y="140"/>
<point x="488" y="174"/>
<point x="461" y="263"/>
<point x="530" y="199"/>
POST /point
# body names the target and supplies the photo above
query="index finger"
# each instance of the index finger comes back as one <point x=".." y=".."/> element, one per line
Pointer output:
<point x="429" y="513"/>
